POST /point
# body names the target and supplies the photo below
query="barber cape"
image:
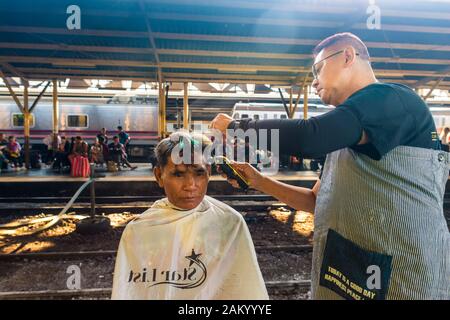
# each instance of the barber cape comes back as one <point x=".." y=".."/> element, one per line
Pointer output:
<point x="203" y="253"/>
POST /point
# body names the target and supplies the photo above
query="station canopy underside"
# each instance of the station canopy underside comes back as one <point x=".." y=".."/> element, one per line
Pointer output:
<point x="258" y="42"/>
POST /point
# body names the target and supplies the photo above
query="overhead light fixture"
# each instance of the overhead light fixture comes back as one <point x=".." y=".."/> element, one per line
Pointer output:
<point x="242" y="69"/>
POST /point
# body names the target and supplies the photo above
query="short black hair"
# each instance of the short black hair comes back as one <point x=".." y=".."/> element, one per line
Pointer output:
<point x="165" y="147"/>
<point x="78" y="137"/>
<point x="119" y="127"/>
<point x="115" y="137"/>
<point x="345" y="38"/>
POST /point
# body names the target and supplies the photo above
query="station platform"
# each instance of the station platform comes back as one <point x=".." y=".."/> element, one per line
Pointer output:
<point x="139" y="183"/>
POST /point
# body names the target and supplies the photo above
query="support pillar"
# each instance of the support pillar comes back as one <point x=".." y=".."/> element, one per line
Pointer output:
<point x="305" y="102"/>
<point x="26" y="124"/>
<point x="55" y="119"/>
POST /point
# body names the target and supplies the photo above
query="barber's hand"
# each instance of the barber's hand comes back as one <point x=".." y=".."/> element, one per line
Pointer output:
<point x="247" y="171"/>
<point x="221" y="122"/>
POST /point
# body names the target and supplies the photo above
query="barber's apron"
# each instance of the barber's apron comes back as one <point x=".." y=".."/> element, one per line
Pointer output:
<point x="379" y="228"/>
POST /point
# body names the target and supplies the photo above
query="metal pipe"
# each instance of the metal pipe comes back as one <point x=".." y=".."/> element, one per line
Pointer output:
<point x="186" y="107"/>
<point x="92" y="191"/>
<point x="55" y="115"/>
<point x="26" y="124"/>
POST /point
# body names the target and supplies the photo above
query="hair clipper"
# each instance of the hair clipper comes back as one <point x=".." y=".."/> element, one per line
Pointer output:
<point x="230" y="172"/>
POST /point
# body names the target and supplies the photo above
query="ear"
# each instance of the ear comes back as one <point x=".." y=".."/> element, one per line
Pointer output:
<point x="158" y="175"/>
<point x="350" y="55"/>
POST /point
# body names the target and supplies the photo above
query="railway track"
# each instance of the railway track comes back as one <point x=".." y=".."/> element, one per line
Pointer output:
<point x="105" y="293"/>
<point x="26" y="209"/>
<point x="79" y="255"/>
<point x="134" y="205"/>
<point x="284" y="288"/>
<point x="125" y="199"/>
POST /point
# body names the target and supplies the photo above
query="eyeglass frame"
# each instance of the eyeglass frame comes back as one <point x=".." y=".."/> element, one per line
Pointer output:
<point x="313" y="67"/>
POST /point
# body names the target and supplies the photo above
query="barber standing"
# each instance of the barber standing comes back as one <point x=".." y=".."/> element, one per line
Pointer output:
<point x="379" y="228"/>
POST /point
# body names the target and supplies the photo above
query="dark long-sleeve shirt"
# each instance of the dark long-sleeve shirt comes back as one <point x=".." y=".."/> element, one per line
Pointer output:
<point x="390" y="114"/>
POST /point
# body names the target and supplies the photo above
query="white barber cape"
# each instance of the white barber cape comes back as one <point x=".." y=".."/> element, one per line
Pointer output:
<point x="203" y="253"/>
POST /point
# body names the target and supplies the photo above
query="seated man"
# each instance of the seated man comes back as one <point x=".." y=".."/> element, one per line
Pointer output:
<point x="188" y="245"/>
<point x="117" y="153"/>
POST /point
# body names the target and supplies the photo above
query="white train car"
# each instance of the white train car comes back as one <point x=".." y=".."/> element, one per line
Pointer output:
<point x="198" y="126"/>
<point x="261" y="111"/>
<point x="86" y="120"/>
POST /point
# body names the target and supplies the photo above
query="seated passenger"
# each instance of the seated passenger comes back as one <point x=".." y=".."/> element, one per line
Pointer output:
<point x="12" y="152"/>
<point x="79" y="148"/>
<point x="118" y="155"/>
<point x="3" y="161"/>
<point x="97" y="153"/>
<point x="188" y="245"/>
<point x="61" y="155"/>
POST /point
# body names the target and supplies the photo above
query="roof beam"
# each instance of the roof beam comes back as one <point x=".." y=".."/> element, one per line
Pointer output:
<point x="406" y="28"/>
<point x="97" y="62"/>
<point x="290" y="22"/>
<point x="77" y="62"/>
<point x="45" y="76"/>
<point x="228" y="76"/>
<point x="39" y="97"/>
<point x="344" y="7"/>
<point x="202" y="37"/>
<point x="85" y="72"/>
<point x="75" y="32"/>
<point x="444" y="73"/>
<point x="291" y="41"/>
<point x="296" y="6"/>
<point x="206" y="53"/>
<point x="432" y="88"/>
<point x="232" y="67"/>
<point x="244" y="20"/>
<point x="13" y="70"/>
<point x="78" y="48"/>
<point x="226" y="81"/>
<point x="12" y="93"/>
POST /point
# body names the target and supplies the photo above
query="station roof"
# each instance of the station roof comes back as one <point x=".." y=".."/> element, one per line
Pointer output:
<point x="229" y="41"/>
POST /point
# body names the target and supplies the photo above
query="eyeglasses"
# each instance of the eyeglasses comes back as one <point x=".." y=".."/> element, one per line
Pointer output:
<point x="316" y="71"/>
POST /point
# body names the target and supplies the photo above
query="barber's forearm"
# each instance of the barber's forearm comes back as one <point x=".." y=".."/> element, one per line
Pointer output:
<point x="298" y="198"/>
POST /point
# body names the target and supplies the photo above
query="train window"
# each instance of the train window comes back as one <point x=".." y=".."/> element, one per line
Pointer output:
<point x="77" y="121"/>
<point x="283" y="116"/>
<point x="244" y="116"/>
<point x="256" y="116"/>
<point x="236" y="116"/>
<point x="18" y="120"/>
<point x="265" y="115"/>
<point x="275" y="116"/>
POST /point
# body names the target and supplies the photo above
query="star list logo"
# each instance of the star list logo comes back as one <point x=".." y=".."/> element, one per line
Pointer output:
<point x="189" y="277"/>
